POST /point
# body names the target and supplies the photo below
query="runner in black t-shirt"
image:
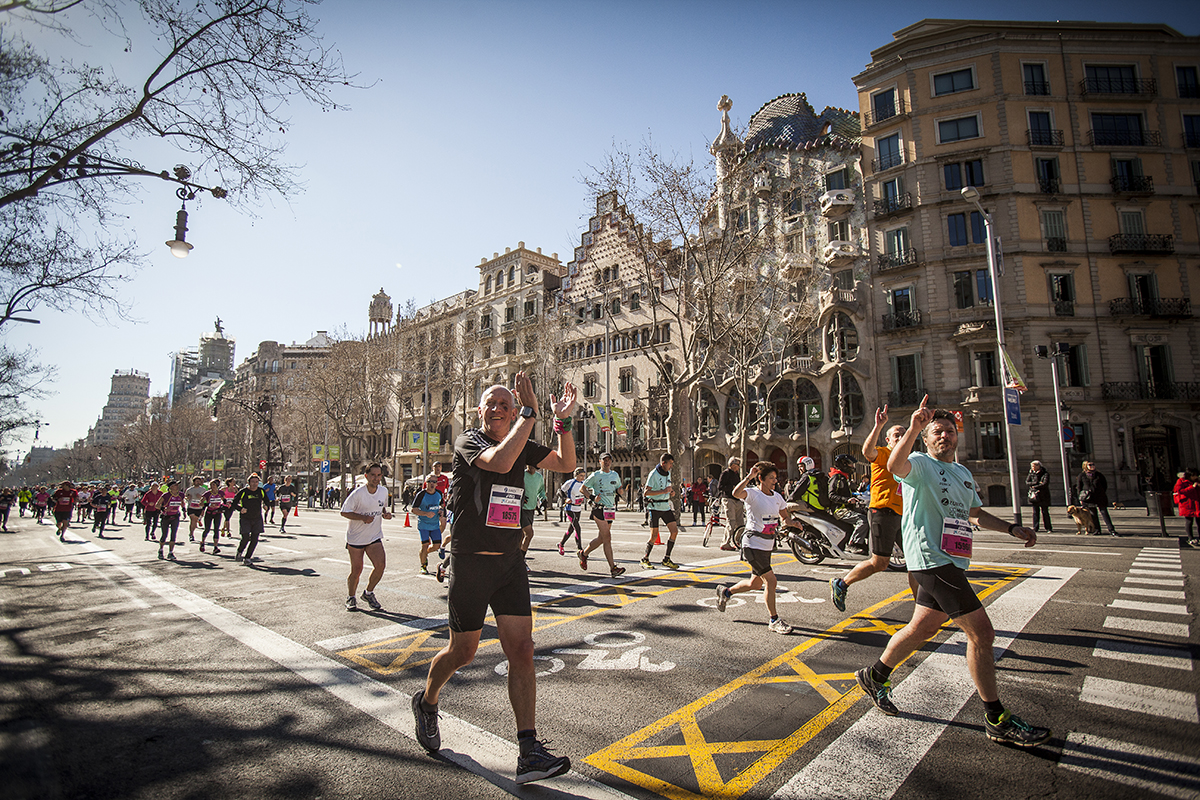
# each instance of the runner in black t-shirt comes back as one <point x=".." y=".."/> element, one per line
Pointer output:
<point x="249" y="503"/>
<point x="286" y="495"/>
<point x="487" y="565"/>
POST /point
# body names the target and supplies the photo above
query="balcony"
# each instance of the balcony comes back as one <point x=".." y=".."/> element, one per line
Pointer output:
<point x="883" y="114"/>
<point x="837" y="203"/>
<point x="1064" y="308"/>
<point x="508" y="326"/>
<point x="893" y="205"/>
<point x="1152" y="244"/>
<point x="1132" y="184"/>
<point x="1049" y="185"/>
<point x="1056" y="244"/>
<point x="901" y="320"/>
<point x="1044" y="138"/>
<point x="1101" y="138"/>
<point x="1037" y="87"/>
<point x="1191" y="139"/>
<point x="887" y="161"/>
<point x="1150" y="390"/>
<point x="839" y="254"/>
<point x="898" y="260"/>
<point x="800" y="364"/>
<point x="1117" y="86"/>
<point x="1162" y="307"/>
<point x="907" y="397"/>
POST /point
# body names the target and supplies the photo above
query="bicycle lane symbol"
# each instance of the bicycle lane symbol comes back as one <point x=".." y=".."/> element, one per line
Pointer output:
<point x="605" y="643"/>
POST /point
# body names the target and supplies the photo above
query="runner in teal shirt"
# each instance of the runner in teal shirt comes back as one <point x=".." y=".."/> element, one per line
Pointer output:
<point x="604" y="486"/>
<point x="659" y="492"/>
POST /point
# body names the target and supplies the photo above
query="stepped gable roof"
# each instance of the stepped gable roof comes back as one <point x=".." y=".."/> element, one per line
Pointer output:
<point x="789" y="123"/>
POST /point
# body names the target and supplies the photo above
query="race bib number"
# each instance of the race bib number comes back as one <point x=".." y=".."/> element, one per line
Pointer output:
<point x="504" y="507"/>
<point x="770" y="528"/>
<point x="609" y="514"/>
<point x="957" y="537"/>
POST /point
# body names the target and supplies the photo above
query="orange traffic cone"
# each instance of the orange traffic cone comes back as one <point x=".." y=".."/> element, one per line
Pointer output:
<point x="296" y="510"/>
<point x="656" y="539"/>
<point x="407" y="524"/>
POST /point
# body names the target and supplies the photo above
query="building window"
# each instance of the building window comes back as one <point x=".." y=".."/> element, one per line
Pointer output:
<point x="510" y="347"/>
<point x="906" y="379"/>
<point x="485" y="322"/>
<point x="597" y="311"/>
<point x="635" y="302"/>
<point x="615" y="306"/>
<point x="1048" y="175"/>
<point x="510" y="313"/>
<point x="512" y="275"/>
<point x="499" y="280"/>
<point x="887" y="151"/>
<point x="487" y="286"/>
<point x="626" y="381"/>
<point x="1118" y="130"/>
<point x="605" y="276"/>
<point x="964" y="290"/>
<point x="1075" y="366"/>
<point x="991" y="440"/>
<point x="1062" y="294"/>
<point x="901" y="301"/>
<point x="839" y="231"/>
<point x="1041" y="129"/>
<point x="590" y="349"/>
<point x="589" y="384"/>
<point x="793" y="203"/>
<point x="883" y="104"/>
<point x="1133" y="222"/>
<point x="1111" y="79"/>
<point x="986" y="371"/>
<point x="957" y="229"/>
<point x="961" y="80"/>
<point x="1035" y="79"/>
<point x="895" y="241"/>
<point x="983" y="285"/>
<point x="1187" y="82"/>
<point x="530" y="308"/>
<point x="843" y="279"/>
<point x="835" y="180"/>
<point x="1191" y="130"/>
<point x="666" y="332"/>
<point x="955" y="130"/>
<point x="842" y="338"/>
<point x="968" y="173"/>
<point x="1054" y="228"/>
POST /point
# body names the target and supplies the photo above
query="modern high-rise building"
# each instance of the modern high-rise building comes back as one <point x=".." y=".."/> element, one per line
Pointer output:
<point x="1083" y="142"/>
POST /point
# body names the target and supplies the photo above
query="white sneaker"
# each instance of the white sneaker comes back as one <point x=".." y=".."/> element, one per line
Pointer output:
<point x="777" y="625"/>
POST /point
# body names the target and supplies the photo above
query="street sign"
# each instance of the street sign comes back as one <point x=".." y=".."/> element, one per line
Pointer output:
<point x="814" y="413"/>
<point x="958" y="421"/>
<point x="1068" y="434"/>
<point x="325" y="467"/>
<point x="262" y="464"/>
<point x="1012" y="406"/>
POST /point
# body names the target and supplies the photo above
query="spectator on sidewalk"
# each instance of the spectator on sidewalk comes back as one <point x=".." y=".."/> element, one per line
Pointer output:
<point x="1038" y="481"/>
<point x="1187" y="497"/>
<point x="1093" y="495"/>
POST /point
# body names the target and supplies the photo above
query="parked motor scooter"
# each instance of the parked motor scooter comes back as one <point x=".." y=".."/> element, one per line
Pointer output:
<point x="812" y="539"/>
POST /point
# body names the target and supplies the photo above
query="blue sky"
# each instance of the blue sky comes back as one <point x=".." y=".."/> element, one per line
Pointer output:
<point x="479" y="120"/>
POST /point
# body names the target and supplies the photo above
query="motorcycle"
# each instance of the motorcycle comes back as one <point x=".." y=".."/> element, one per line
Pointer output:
<point x="812" y="539"/>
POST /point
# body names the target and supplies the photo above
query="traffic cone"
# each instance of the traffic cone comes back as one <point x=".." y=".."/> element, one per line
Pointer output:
<point x="407" y="524"/>
<point x="296" y="510"/>
<point x="656" y="539"/>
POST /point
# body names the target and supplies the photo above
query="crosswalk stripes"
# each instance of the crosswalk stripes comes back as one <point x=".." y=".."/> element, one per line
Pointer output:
<point x="1159" y="771"/>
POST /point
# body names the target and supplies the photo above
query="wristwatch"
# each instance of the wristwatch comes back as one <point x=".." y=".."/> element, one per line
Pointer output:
<point x="528" y="412"/>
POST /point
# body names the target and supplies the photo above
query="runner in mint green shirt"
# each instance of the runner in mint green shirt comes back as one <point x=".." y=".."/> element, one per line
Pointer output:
<point x="535" y="491"/>
<point x="659" y="492"/>
<point x="604" y="487"/>
<point x="940" y="507"/>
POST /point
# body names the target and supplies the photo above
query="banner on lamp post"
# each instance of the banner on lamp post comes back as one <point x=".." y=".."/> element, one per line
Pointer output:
<point x="601" y="413"/>
<point x="618" y="421"/>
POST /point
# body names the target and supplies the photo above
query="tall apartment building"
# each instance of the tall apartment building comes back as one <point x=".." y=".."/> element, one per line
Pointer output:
<point x="1084" y="141"/>
<point x="127" y="397"/>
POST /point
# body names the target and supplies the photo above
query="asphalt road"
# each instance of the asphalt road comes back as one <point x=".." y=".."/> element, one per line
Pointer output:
<point x="129" y="677"/>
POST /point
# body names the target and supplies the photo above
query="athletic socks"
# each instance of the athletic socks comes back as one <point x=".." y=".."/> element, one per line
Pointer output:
<point x="881" y="672"/>
<point x="526" y="740"/>
<point x="670" y="547"/>
<point x="993" y="709"/>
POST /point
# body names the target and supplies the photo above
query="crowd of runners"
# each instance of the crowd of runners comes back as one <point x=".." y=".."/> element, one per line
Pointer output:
<point x="483" y="514"/>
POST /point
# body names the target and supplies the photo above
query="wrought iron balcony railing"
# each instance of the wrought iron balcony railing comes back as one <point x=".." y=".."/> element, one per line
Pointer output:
<point x="1155" y="244"/>
<point x="1037" y="87"/>
<point x="1049" y="185"/>
<point x="1056" y="244"/>
<point x="1118" y="86"/>
<point x="897" y="260"/>
<point x="1132" y="184"/>
<point x="1150" y="390"/>
<point x="1064" y="308"/>
<point x="1044" y="138"/>
<point x="893" y="205"/>
<point x="880" y="115"/>
<point x="1191" y="138"/>
<point x="901" y="320"/>
<point x="887" y="161"/>
<point x="1106" y="138"/>
<point x="907" y="397"/>
<point x="1151" y="307"/>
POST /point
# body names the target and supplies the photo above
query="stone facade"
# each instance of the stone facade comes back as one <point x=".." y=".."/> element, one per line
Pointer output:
<point x="127" y="397"/>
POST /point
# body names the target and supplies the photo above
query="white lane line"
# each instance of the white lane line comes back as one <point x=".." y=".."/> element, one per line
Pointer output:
<point x="1148" y="654"/>
<point x="1154" y="608"/>
<point x="1145" y="768"/>
<point x="938" y="688"/>
<point x="1158" y="572"/>
<point x="1165" y="594"/>
<point x="1047" y="550"/>
<point x="1148" y="626"/>
<point x="276" y="547"/>
<point x="378" y="634"/>
<point x="337" y="561"/>
<point x="1155" y="581"/>
<point x="1167" y="703"/>
<point x="1157" y="562"/>
<point x="484" y="753"/>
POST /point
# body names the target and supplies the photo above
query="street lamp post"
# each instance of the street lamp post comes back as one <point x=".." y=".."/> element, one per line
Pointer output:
<point x="971" y="194"/>
<point x="1060" y="351"/>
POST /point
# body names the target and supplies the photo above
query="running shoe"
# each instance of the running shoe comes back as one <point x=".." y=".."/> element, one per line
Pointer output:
<point x="728" y="547"/>
<point x="171" y="556"/>
<point x="441" y="572"/>
<point x="880" y="693"/>
<point x="1194" y="542"/>
<point x="583" y="561"/>
<point x="777" y="625"/>
<point x="160" y="555"/>
<point x="540" y="763"/>
<point x="216" y="550"/>
<point x="237" y="559"/>
<point x="669" y="564"/>
<point x="371" y="601"/>
<point x="618" y="572"/>
<point x="202" y="550"/>
<point x="424" y="569"/>
<point x="722" y="597"/>
<point x="646" y="564"/>
<point x="248" y="561"/>
<point x="427" y="725"/>
<point x="837" y="593"/>
<point x="561" y="550"/>
<point x="351" y="603"/>
<point x="442" y="553"/>
<point x="1014" y="730"/>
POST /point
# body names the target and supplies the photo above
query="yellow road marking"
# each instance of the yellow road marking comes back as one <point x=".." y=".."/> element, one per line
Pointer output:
<point x="613" y="759"/>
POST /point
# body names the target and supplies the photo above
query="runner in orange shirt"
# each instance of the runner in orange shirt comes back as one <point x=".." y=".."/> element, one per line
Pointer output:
<point x="884" y="514"/>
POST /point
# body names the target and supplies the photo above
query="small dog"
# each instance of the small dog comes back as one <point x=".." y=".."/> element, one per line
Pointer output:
<point x="1084" y="524"/>
<point x="1117" y="504"/>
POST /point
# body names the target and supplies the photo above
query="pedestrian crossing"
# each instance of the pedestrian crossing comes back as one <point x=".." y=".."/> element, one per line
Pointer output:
<point x="1154" y="588"/>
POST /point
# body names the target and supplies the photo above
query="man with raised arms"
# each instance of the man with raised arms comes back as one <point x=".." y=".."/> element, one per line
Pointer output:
<point x="487" y="565"/>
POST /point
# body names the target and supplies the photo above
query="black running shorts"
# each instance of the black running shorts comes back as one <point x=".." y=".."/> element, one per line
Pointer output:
<point x="945" y="589"/>
<point x="527" y="517"/>
<point x="759" y="560"/>
<point x="62" y="516"/>
<point x="477" y="582"/>
<point x="885" y="531"/>
<point x="664" y="517"/>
